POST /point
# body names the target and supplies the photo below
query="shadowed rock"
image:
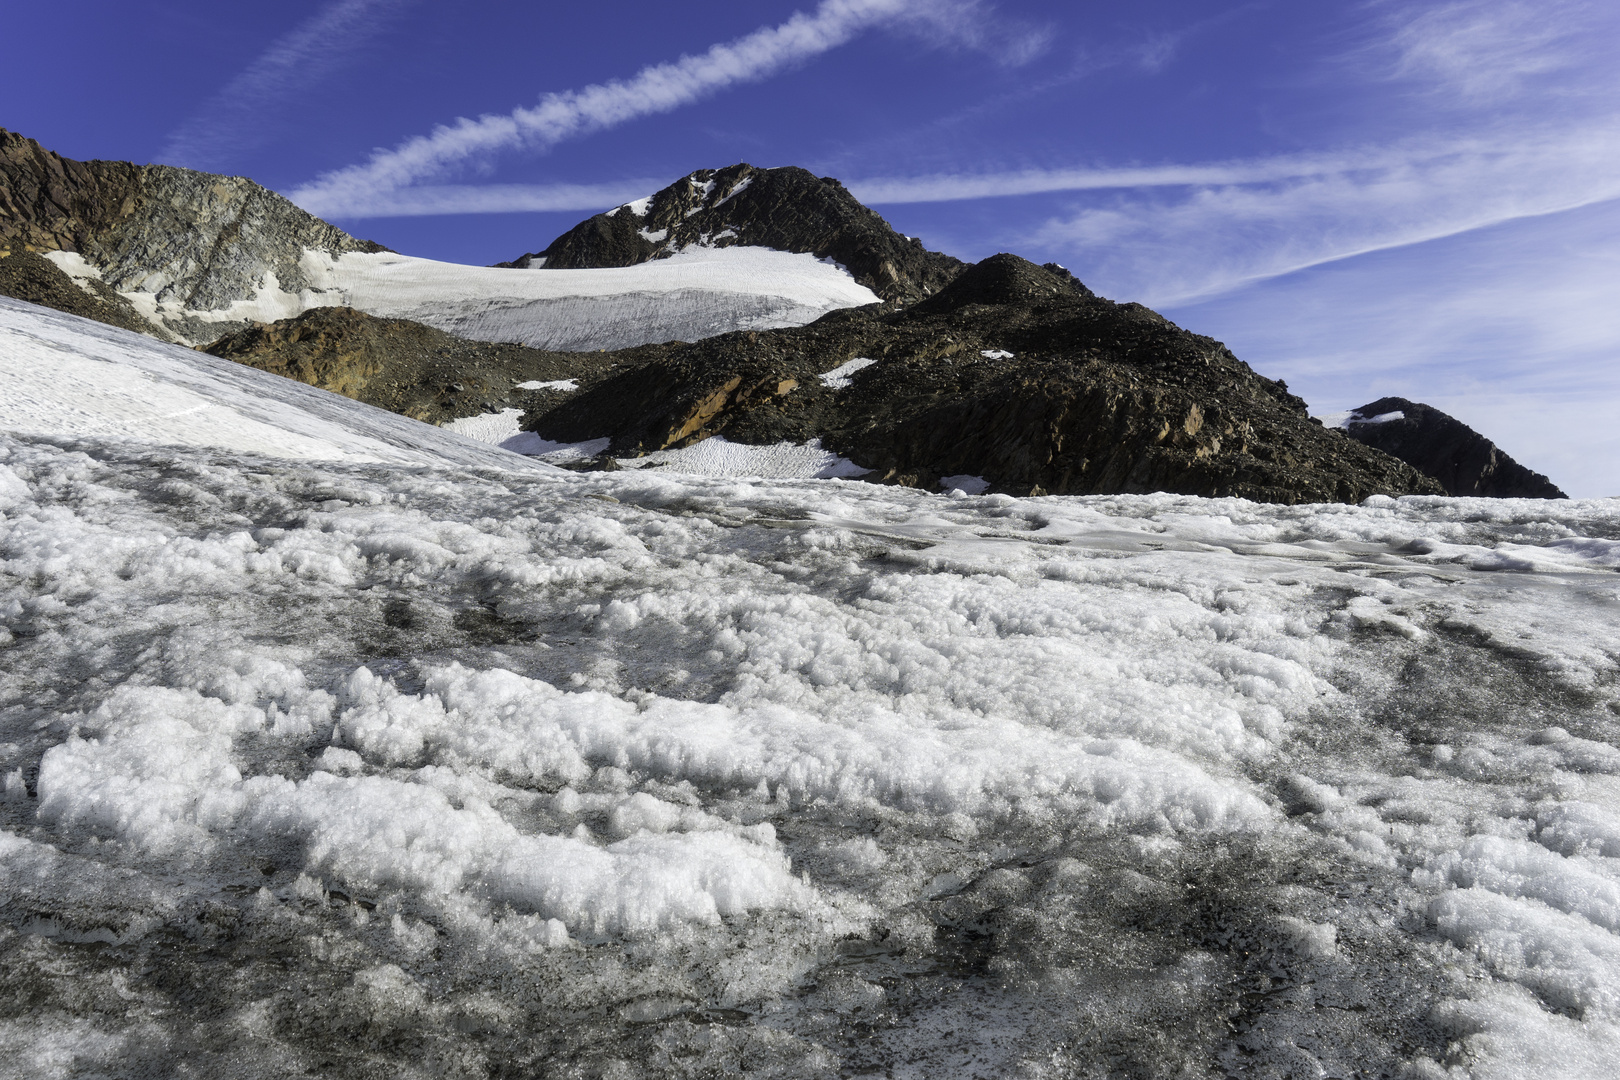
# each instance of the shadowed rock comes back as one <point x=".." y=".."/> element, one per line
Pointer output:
<point x="1460" y="458"/>
<point x="34" y="278"/>
<point x="1014" y="372"/>
<point x="402" y="366"/>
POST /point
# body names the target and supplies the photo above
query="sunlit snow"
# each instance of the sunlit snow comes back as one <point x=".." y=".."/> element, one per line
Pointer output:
<point x="697" y="293"/>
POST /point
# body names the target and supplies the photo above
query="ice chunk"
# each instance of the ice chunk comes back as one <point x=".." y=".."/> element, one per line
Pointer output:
<point x="964" y="483"/>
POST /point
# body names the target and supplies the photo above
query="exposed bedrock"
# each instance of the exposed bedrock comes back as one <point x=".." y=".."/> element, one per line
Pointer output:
<point x="788" y="209"/>
<point x="1014" y="372"/>
<point x="400" y="365"/>
<point x="190" y="239"/>
<point x="1460" y="458"/>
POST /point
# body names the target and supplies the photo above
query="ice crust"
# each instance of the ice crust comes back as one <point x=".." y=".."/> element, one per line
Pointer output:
<point x="418" y="758"/>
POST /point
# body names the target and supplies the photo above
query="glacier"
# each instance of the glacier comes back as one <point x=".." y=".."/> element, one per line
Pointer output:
<point x="693" y="294"/>
<point x="332" y="741"/>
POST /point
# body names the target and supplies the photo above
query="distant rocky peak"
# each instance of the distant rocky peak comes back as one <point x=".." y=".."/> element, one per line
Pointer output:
<point x="1443" y="447"/>
<point x="1007" y="279"/>
<point x="788" y="209"/>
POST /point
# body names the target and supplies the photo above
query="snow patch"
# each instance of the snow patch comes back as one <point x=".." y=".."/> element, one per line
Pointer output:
<point x="715" y="456"/>
<point x="839" y="377"/>
<point x="61" y="375"/>
<point x="638" y="207"/>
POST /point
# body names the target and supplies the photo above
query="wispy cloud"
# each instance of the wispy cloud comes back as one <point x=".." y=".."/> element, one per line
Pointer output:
<point x="657" y="89"/>
<point x="242" y="116"/>
<point x="1180" y="245"/>
<point x="428" y="200"/>
<point x="1483" y="51"/>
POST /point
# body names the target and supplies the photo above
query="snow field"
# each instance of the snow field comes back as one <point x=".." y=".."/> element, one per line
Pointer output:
<point x="1139" y="677"/>
<point x="600" y="752"/>
<point x="694" y="294"/>
<point x="67" y="377"/>
<point x="712" y="457"/>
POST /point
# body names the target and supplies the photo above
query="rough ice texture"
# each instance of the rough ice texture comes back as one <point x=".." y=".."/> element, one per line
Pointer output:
<point x="438" y="770"/>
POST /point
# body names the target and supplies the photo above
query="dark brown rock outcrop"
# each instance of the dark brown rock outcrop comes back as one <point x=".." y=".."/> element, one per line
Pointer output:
<point x="402" y="366"/>
<point x="52" y="203"/>
<point x="787" y="209"/>
<point x="1016" y="373"/>
<point x="1443" y="447"/>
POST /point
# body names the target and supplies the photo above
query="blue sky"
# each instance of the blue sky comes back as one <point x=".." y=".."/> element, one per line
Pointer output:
<point x="1362" y="198"/>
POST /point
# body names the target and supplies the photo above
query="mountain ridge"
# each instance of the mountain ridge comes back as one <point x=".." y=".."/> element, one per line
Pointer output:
<point x="187" y="239"/>
<point x="786" y="209"/>
<point x="1016" y="373"/>
<point x="1462" y="460"/>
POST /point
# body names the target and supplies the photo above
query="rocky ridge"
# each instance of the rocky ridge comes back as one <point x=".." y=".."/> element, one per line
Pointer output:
<point x="404" y="366"/>
<point x="788" y="209"/>
<point x="1016" y="373"/>
<point x="190" y="241"/>
<point x="1460" y="458"/>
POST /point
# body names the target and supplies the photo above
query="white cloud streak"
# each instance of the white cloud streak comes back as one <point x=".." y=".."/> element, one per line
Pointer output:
<point x="429" y="200"/>
<point x="1180" y="247"/>
<point x="243" y="115"/>
<point x="1482" y="51"/>
<point x="353" y="192"/>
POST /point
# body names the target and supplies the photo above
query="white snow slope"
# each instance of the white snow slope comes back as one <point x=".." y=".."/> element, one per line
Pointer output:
<point x="386" y="769"/>
<point x="65" y="376"/>
<point x="695" y="294"/>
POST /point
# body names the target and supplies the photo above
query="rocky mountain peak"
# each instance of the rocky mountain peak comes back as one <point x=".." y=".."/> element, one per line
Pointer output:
<point x="1443" y="447"/>
<point x="788" y="209"/>
<point x="1007" y="279"/>
<point x="192" y="241"/>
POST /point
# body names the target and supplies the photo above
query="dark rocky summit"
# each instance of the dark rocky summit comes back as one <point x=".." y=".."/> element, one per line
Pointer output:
<point x="193" y="240"/>
<point x="1443" y="447"/>
<point x="403" y="366"/>
<point x="787" y="209"/>
<point x="1014" y="372"/>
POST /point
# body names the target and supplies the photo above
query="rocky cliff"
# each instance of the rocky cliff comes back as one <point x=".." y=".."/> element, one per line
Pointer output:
<point x="1443" y="447"/>
<point x="787" y="209"/>
<point x="1015" y="373"/>
<point x="189" y="241"/>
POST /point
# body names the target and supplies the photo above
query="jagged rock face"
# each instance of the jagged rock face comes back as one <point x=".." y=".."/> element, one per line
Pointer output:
<point x="1443" y="447"/>
<point x="788" y="209"/>
<point x="192" y="240"/>
<point x="51" y="203"/>
<point x="399" y="365"/>
<point x="34" y="278"/>
<point x="1016" y="373"/>
<point x="205" y="241"/>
